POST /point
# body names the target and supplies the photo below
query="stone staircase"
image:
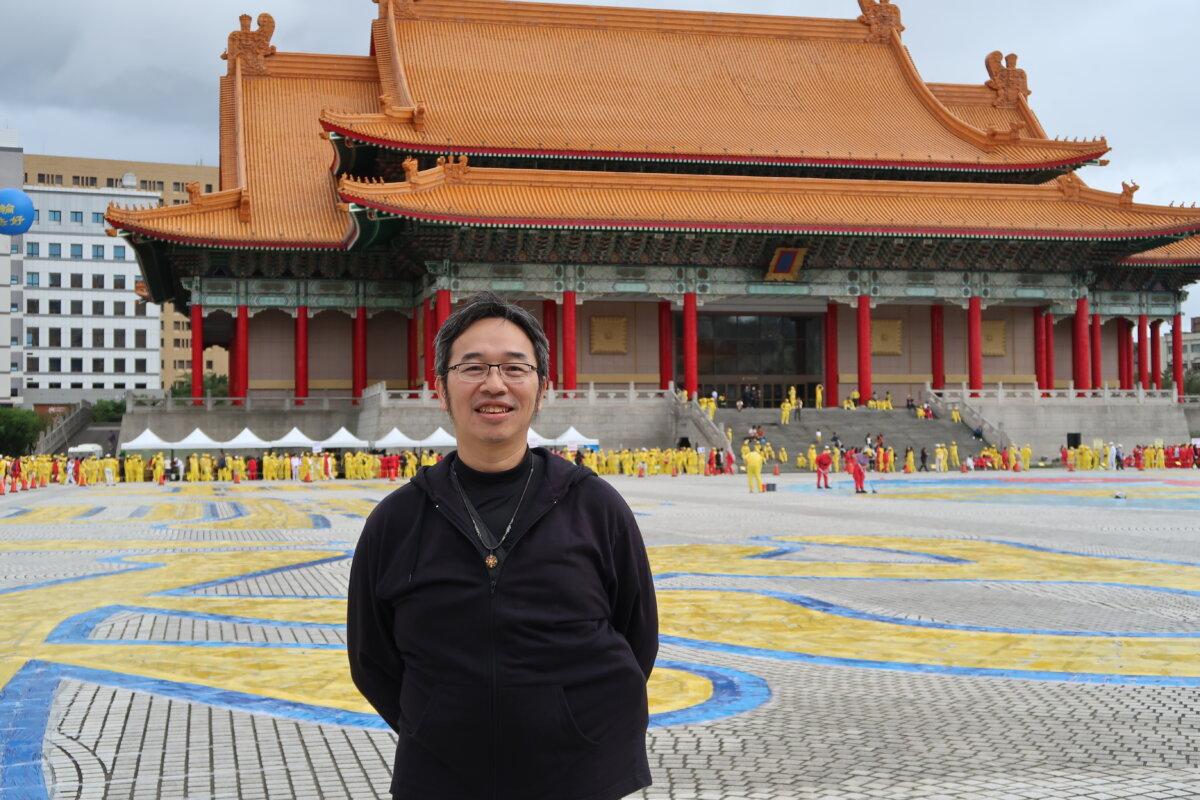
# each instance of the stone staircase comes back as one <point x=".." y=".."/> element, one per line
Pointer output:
<point x="900" y="429"/>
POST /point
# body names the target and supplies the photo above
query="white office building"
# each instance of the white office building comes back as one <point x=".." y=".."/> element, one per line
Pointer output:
<point x="10" y="268"/>
<point x="83" y="331"/>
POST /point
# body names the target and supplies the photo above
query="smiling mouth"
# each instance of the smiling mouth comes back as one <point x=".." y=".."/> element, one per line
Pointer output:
<point x="493" y="411"/>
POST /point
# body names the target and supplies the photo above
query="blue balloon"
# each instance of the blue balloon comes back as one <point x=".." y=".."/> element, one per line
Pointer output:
<point x="16" y="212"/>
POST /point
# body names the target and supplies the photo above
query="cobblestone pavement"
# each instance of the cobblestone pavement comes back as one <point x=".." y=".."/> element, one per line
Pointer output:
<point x="955" y="636"/>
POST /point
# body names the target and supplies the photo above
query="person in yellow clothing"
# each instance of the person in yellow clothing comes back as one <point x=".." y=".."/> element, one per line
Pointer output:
<point x="820" y="401"/>
<point x="785" y="413"/>
<point x="910" y="462"/>
<point x="1026" y="457"/>
<point x="206" y="468"/>
<point x="837" y="459"/>
<point x="754" y="463"/>
<point x="783" y="459"/>
<point x="193" y="469"/>
<point x="812" y="457"/>
<point x="954" y="462"/>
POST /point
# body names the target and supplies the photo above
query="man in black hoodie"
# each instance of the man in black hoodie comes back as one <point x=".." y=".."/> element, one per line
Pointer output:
<point x="502" y="617"/>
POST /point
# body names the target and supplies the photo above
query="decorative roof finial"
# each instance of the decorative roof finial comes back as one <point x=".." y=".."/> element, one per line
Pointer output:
<point x="1009" y="82"/>
<point x="1128" y="190"/>
<point x="252" y="47"/>
<point x="882" y="17"/>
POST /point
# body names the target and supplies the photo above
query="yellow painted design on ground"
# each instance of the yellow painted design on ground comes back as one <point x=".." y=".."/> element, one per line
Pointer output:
<point x="673" y="689"/>
<point x="266" y="514"/>
<point x="46" y="515"/>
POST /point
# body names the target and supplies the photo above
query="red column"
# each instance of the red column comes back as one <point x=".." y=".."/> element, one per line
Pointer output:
<point x="427" y="316"/>
<point x="197" y="353"/>
<point x="975" y="343"/>
<point x="443" y="307"/>
<point x="1039" y="347"/>
<point x="1123" y="373"/>
<point x="864" y="349"/>
<point x="1049" y="369"/>
<point x="550" y="326"/>
<point x="1156" y="353"/>
<point x="242" y="354"/>
<point x="666" y="344"/>
<point x="1176" y="354"/>
<point x="1081" y="360"/>
<point x="1097" y="353"/>
<point x="691" y="345"/>
<point x="300" y="351"/>
<point x="831" y="356"/>
<point x="358" y="354"/>
<point x="1143" y="364"/>
<point x="414" y="355"/>
<point x="938" y="343"/>
<point x="568" y="342"/>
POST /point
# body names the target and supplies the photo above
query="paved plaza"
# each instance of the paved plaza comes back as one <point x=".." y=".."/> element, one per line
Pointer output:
<point x="951" y="636"/>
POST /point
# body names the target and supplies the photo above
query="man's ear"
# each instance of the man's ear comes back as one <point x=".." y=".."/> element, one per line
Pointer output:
<point x="439" y="384"/>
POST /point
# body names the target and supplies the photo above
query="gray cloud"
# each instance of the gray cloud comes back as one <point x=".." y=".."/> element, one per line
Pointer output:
<point x="137" y="79"/>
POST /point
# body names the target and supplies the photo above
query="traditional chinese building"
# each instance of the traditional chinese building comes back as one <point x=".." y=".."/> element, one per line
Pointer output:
<point x="725" y="201"/>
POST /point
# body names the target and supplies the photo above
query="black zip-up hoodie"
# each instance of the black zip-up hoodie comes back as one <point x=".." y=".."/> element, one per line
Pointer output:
<point x="527" y="682"/>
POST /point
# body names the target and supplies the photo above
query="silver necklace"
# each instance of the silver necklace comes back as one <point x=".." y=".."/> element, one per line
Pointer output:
<point x="490" y="560"/>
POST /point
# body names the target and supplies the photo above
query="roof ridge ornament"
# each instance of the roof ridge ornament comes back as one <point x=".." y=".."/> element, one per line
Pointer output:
<point x="882" y="17"/>
<point x="455" y="167"/>
<point x="252" y="47"/>
<point x="1006" y="79"/>
<point x="1128" y="190"/>
<point x="402" y="9"/>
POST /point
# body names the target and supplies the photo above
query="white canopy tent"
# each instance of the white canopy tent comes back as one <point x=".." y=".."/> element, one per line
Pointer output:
<point x="439" y="438"/>
<point x="573" y="438"/>
<point x="395" y="440"/>
<point x="247" y="440"/>
<point x="535" y="439"/>
<point x="293" y="440"/>
<point x="146" y="440"/>
<point x="196" y="440"/>
<point x="344" y="440"/>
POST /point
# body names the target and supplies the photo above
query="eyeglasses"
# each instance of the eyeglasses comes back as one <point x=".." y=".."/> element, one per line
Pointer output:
<point x="477" y="371"/>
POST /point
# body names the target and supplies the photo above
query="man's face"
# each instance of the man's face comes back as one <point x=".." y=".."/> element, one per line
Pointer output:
<point x="492" y="412"/>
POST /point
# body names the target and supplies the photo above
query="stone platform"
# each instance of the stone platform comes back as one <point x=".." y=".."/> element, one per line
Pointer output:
<point x="952" y="636"/>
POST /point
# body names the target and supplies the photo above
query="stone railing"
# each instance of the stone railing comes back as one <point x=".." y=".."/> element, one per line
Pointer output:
<point x="55" y="439"/>
<point x="165" y="401"/>
<point x="709" y="429"/>
<point x="1030" y="394"/>
<point x="941" y="403"/>
<point x="591" y="396"/>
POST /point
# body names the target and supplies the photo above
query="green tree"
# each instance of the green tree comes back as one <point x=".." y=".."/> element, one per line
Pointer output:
<point x="19" y="429"/>
<point x="1191" y="381"/>
<point x="108" y="411"/>
<point x="214" y="386"/>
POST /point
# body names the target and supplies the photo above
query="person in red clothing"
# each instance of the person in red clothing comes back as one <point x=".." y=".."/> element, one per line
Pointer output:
<point x="824" y="462"/>
<point x="855" y="465"/>
<point x="252" y="468"/>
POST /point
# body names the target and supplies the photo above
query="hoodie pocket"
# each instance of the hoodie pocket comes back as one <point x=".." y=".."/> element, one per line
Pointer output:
<point x="539" y="738"/>
<point x="451" y="723"/>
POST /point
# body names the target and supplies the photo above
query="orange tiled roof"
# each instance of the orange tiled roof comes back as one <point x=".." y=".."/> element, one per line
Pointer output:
<point x="1184" y="253"/>
<point x="276" y="187"/>
<point x="975" y="105"/>
<point x="456" y="193"/>
<point x="487" y="76"/>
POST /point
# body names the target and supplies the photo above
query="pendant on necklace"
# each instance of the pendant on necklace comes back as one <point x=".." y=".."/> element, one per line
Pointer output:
<point x="491" y="561"/>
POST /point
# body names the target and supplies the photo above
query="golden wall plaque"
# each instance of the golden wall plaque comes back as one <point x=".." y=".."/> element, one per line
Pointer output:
<point x="995" y="337"/>
<point x="886" y="337"/>
<point x="609" y="336"/>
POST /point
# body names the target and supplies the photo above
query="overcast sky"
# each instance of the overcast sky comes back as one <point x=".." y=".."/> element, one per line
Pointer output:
<point x="137" y="79"/>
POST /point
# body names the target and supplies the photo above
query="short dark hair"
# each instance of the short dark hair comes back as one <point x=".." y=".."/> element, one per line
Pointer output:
<point x="489" y="305"/>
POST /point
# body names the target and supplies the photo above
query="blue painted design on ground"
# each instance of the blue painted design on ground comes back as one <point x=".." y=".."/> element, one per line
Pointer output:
<point x="119" y="559"/>
<point x="734" y="692"/>
<point x="785" y="547"/>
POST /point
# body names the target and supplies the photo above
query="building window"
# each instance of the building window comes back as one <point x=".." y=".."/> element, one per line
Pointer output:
<point x="208" y="188"/>
<point x="118" y="281"/>
<point x="56" y="337"/>
<point x="76" y="280"/>
<point x="76" y="251"/>
<point x="55" y="307"/>
<point x="76" y="337"/>
<point x="119" y="252"/>
<point x="56" y="216"/>
<point x="55" y="367"/>
<point x="139" y="309"/>
<point x="77" y="385"/>
<point x="98" y="309"/>
<point x="49" y="179"/>
<point x="77" y="309"/>
<point x="118" y="339"/>
<point x="98" y="337"/>
<point x="151" y="186"/>
<point x="31" y="337"/>
<point x="118" y="308"/>
<point x="77" y="217"/>
<point x="31" y="305"/>
<point x="176" y="186"/>
<point x="84" y="180"/>
<point x="55" y="280"/>
<point x="97" y="217"/>
<point x="139" y="365"/>
<point x="33" y="249"/>
<point x="76" y="366"/>
<point x="97" y="281"/>
<point x="32" y="385"/>
<point x="55" y="250"/>
<point x="208" y="365"/>
<point x="31" y="363"/>
<point x="98" y="366"/>
<point x="139" y="339"/>
<point x="32" y="278"/>
<point x="98" y="252"/>
<point x="119" y="365"/>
